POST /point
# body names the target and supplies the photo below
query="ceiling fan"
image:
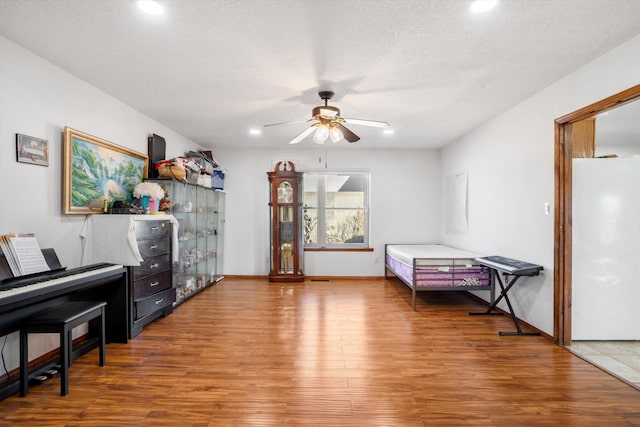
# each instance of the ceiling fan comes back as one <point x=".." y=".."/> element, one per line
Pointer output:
<point x="326" y="123"/>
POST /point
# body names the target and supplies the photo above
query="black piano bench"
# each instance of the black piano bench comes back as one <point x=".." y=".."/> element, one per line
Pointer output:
<point x="61" y="319"/>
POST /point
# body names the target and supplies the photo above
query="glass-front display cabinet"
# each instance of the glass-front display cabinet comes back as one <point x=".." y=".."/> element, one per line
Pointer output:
<point x="196" y="209"/>
<point x="286" y="223"/>
<point x="219" y="232"/>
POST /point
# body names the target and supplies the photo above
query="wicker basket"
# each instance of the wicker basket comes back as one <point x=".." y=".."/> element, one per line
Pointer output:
<point x="172" y="171"/>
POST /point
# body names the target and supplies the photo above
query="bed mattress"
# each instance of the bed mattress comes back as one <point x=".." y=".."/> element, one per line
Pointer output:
<point x="406" y="253"/>
<point x="436" y="266"/>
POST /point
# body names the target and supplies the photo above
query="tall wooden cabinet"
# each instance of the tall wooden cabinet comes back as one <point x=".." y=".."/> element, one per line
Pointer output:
<point x="199" y="212"/>
<point x="286" y="223"/>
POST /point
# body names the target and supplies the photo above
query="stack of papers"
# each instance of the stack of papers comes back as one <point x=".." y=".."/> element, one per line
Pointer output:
<point x="23" y="254"/>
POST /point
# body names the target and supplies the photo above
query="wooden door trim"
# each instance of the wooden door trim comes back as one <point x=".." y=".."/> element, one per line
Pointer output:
<point x="563" y="200"/>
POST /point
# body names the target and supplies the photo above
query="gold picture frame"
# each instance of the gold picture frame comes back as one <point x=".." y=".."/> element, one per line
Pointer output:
<point x="95" y="170"/>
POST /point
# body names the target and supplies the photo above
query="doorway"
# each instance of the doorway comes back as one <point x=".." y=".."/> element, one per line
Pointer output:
<point x="574" y="138"/>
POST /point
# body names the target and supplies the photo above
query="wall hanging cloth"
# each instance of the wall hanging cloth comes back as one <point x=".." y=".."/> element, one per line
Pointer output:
<point x="112" y="238"/>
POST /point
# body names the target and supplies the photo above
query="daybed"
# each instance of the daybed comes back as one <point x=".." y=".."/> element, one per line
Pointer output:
<point x="436" y="268"/>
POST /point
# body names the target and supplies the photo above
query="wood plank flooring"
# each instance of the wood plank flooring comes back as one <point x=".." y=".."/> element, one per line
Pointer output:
<point x="340" y="353"/>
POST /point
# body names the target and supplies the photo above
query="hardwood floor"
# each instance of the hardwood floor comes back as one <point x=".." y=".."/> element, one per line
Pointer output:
<point x="340" y="353"/>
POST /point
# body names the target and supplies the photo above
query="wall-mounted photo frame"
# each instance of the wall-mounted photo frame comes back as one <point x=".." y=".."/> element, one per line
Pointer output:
<point x="95" y="170"/>
<point x="30" y="149"/>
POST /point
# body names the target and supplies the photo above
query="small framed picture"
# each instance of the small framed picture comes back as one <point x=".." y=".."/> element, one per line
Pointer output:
<point x="32" y="150"/>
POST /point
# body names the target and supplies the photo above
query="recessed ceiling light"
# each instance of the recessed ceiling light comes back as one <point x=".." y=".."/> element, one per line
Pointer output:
<point x="388" y="131"/>
<point x="151" y="7"/>
<point x="480" y="6"/>
<point x="255" y="131"/>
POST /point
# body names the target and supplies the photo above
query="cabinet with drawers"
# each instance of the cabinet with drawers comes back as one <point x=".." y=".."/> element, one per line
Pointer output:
<point x="151" y="289"/>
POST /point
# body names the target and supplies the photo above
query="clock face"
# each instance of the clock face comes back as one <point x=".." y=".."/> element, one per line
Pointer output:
<point x="285" y="193"/>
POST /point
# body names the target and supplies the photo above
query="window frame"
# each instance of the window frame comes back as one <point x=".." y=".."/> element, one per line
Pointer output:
<point x="321" y="210"/>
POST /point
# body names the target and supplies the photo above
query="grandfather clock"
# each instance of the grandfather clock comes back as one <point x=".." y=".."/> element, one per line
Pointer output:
<point x="286" y="223"/>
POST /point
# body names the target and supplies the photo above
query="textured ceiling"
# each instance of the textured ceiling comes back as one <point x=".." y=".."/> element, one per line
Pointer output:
<point x="213" y="69"/>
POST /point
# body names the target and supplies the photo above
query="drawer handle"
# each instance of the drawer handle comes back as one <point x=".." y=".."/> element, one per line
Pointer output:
<point x="153" y="247"/>
<point x="156" y="283"/>
<point x="155" y="228"/>
<point x="159" y="301"/>
<point x="154" y="265"/>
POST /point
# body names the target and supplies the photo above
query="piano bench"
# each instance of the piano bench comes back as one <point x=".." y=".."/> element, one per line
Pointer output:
<point x="61" y="320"/>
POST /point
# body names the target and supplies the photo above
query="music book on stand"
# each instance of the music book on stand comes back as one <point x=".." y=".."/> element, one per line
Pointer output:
<point x="23" y="254"/>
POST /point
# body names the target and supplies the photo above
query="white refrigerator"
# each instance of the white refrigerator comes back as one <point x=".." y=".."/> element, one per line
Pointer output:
<point x="606" y="249"/>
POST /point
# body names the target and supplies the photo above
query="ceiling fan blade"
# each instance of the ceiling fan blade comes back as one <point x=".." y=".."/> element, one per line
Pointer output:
<point x="286" y="123"/>
<point x="362" y="122"/>
<point x="302" y="135"/>
<point x="348" y="135"/>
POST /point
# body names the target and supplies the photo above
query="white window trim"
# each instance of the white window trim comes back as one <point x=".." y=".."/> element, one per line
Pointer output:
<point x="321" y="208"/>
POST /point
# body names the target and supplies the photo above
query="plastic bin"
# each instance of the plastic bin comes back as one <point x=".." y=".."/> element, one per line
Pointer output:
<point x="217" y="180"/>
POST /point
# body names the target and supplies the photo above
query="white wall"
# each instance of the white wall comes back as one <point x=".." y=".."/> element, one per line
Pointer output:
<point x="619" y="150"/>
<point x="510" y="161"/>
<point x="39" y="99"/>
<point x="405" y="200"/>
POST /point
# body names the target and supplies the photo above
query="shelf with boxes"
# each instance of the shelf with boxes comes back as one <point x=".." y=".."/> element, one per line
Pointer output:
<point x="195" y="167"/>
<point x="199" y="212"/>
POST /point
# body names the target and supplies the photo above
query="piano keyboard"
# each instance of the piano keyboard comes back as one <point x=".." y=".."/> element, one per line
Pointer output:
<point x="510" y="266"/>
<point x="13" y="287"/>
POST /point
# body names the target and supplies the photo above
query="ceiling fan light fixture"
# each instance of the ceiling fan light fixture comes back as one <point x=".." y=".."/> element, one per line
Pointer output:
<point x="335" y="134"/>
<point x="326" y="122"/>
<point x="326" y="112"/>
<point x="321" y="134"/>
<point x="329" y="112"/>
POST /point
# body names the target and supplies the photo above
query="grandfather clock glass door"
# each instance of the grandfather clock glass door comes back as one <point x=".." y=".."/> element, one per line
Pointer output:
<point x="286" y="230"/>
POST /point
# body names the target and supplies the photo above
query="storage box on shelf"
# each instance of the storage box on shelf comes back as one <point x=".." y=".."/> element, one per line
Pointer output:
<point x="198" y="212"/>
<point x="217" y="180"/>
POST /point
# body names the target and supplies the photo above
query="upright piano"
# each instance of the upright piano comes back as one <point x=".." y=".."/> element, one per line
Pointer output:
<point x="21" y="297"/>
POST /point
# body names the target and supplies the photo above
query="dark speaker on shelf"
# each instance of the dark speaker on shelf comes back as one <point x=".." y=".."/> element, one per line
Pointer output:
<point x="157" y="151"/>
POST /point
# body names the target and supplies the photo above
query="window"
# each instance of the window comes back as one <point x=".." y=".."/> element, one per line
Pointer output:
<point x="336" y="209"/>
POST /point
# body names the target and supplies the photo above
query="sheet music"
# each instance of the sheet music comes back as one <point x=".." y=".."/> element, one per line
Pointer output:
<point x="8" y="254"/>
<point x="24" y="254"/>
<point x="29" y="255"/>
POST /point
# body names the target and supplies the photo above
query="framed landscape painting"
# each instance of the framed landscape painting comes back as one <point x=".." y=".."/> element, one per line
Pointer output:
<point x="95" y="170"/>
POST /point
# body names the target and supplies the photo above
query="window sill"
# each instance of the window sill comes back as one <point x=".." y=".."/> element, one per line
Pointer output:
<point x="338" y="249"/>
